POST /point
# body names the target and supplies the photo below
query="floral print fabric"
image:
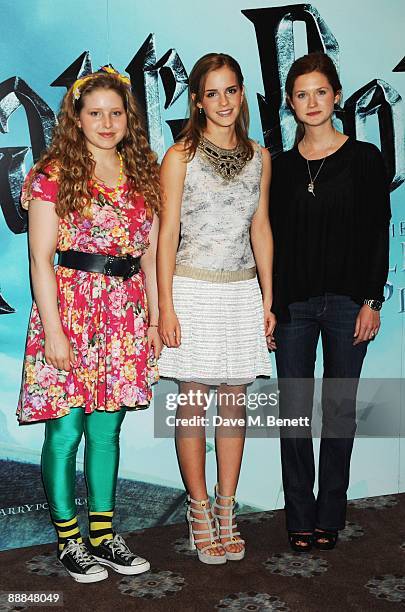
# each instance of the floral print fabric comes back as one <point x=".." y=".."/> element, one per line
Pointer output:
<point x="104" y="317"/>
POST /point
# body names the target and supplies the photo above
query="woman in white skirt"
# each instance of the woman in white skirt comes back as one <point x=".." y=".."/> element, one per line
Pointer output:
<point x="214" y="319"/>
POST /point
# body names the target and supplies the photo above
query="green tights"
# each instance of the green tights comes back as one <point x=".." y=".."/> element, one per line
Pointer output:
<point x="62" y="438"/>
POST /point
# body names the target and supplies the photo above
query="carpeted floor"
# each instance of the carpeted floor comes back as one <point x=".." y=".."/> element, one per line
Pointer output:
<point x="139" y="505"/>
<point x="365" y="572"/>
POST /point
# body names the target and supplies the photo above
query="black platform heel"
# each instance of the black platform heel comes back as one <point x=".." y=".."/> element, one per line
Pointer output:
<point x="306" y="540"/>
<point x="331" y="537"/>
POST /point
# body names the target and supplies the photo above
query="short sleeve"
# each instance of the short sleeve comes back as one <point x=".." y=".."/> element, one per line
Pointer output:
<point x="43" y="187"/>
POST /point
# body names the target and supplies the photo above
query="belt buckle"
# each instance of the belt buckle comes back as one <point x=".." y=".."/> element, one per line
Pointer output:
<point x="131" y="267"/>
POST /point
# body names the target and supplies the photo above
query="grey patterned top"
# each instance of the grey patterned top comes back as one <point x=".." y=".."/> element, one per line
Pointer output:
<point x="216" y="215"/>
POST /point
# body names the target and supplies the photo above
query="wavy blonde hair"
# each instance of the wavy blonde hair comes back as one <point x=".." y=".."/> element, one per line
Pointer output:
<point x="69" y="158"/>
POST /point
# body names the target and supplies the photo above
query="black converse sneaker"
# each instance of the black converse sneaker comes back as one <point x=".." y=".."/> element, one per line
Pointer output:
<point x="80" y="564"/>
<point x="116" y="554"/>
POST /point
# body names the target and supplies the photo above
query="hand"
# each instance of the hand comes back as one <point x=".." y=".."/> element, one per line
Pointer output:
<point x="169" y="329"/>
<point x="59" y="352"/>
<point x="270" y="322"/>
<point x="367" y="325"/>
<point x="154" y="341"/>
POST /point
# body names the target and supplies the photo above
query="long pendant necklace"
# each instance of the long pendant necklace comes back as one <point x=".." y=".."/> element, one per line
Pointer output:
<point x="312" y="180"/>
<point x="311" y="186"/>
<point x="112" y="195"/>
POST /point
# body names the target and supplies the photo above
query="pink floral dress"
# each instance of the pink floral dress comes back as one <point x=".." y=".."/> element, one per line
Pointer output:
<point x="104" y="317"/>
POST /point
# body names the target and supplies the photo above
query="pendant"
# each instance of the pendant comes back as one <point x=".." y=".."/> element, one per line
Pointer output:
<point x="311" y="188"/>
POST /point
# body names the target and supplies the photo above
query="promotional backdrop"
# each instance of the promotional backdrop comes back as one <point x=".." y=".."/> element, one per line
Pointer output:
<point x="45" y="46"/>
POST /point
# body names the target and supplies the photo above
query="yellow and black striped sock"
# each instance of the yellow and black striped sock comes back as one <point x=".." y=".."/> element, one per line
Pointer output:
<point x="100" y="527"/>
<point x="65" y="530"/>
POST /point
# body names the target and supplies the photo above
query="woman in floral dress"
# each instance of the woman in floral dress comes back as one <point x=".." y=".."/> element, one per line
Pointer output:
<point x="92" y="338"/>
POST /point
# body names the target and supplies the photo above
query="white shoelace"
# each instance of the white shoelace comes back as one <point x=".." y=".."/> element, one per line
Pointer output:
<point x="118" y="545"/>
<point x="79" y="553"/>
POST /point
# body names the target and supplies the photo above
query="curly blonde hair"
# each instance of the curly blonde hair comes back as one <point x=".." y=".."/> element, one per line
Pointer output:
<point x="69" y="158"/>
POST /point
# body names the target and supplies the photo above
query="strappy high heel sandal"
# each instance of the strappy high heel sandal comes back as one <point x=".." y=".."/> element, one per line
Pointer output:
<point x="300" y="542"/>
<point x="329" y="537"/>
<point x="212" y="538"/>
<point x="230" y="526"/>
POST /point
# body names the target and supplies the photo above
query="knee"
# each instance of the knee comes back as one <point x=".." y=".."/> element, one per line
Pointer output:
<point x="191" y="410"/>
<point x="232" y="411"/>
<point x="231" y="402"/>
<point x="342" y="427"/>
<point x="103" y="441"/>
<point x="102" y="430"/>
<point x="62" y="443"/>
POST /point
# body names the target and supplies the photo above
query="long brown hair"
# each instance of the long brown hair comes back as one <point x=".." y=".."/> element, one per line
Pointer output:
<point x="197" y="122"/>
<point x="69" y="158"/>
<point x="317" y="61"/>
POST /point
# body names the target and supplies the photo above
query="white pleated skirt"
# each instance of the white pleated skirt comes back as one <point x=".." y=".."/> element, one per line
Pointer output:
<point x="222" y="333"/>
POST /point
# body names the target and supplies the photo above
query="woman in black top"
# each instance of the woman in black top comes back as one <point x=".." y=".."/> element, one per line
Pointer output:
<point x="330" y="215"/>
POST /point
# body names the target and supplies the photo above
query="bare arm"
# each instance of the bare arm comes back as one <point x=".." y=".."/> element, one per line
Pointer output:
<point x="262" y="244"/>
<point x="172" y="174"/>
<point x="43" y="234"/>
<point x="148" y="265"/>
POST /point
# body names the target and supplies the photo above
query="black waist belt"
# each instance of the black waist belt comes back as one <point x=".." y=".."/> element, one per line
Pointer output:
<point x="103" y="264"/>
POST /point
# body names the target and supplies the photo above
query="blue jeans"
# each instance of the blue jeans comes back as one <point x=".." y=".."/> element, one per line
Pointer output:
<point x="333" y="318"/>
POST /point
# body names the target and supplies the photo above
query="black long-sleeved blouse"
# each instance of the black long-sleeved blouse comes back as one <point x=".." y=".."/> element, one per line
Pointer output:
<point x="338" y="240"/>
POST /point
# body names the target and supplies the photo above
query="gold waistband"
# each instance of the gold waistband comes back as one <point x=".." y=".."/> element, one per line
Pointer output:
<point x="215" y="276"/>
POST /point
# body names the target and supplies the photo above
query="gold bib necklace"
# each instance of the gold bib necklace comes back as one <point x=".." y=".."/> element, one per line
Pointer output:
<point x="226" y="162"/>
